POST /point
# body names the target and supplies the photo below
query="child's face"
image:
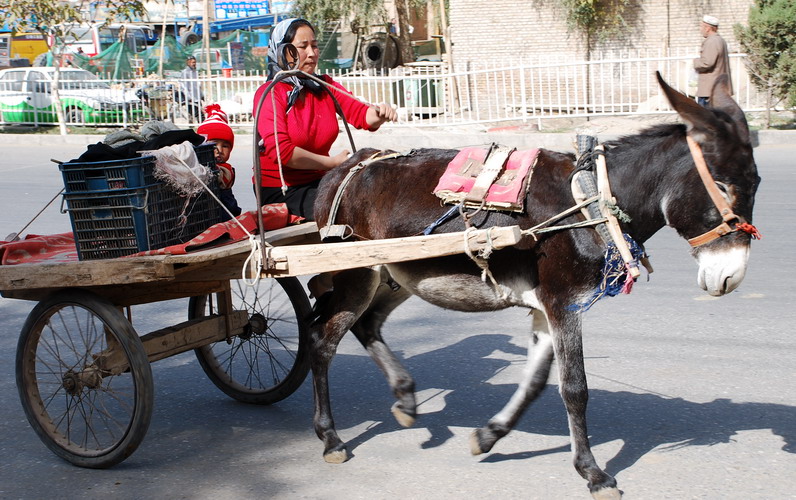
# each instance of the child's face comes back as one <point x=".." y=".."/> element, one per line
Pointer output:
<point x="223" y="149"/>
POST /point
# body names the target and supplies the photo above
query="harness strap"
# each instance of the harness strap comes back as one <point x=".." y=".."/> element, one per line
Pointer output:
<point x="727" y="215"/>
<point x="606" y="198"/>
<point x="335" y="232"/>
<point x="493" y="166"/>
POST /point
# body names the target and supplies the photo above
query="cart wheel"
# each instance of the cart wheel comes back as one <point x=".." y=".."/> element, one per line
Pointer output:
<point x="269" y="361"/>
<point x="88" y="407"/>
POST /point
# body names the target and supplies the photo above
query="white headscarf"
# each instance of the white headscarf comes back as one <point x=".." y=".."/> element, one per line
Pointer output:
<point x="278" y="38"/>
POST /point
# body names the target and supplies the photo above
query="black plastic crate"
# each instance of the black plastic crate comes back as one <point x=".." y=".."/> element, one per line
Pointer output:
<point x="115" y="222"/>
<point x="83" y="177"/>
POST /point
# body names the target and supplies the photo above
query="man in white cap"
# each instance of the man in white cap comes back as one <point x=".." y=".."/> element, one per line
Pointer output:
<point x="713" y="59"/>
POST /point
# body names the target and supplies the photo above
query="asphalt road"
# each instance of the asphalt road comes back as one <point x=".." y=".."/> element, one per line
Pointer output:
<point x="691" y="396"/>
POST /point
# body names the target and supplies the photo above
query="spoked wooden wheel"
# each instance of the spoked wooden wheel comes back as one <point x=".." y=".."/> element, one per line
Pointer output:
<point x="269" y="361"/>
<point x="84" y="379"/>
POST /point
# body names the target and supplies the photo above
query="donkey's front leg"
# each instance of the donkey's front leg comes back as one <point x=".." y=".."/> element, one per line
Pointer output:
<point x="534" y="380"/>
<point x="568" y="345"/>
<point x="352" y="294"/>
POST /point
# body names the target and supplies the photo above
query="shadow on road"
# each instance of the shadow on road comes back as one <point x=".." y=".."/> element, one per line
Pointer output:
<point x="642" y="421"/>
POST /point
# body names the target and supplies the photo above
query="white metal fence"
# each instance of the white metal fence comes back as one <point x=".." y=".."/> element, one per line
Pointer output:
<point x="431" y="94"/>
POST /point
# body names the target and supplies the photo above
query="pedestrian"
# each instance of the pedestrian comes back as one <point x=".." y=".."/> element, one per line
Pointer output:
<point x="306" y="122"/>
<point x="216" y="129"/>
<point x="713" y="60"/>
<point x="192" y="95"/>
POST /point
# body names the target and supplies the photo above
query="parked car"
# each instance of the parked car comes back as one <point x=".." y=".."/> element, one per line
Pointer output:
<point x="26" y="98"/>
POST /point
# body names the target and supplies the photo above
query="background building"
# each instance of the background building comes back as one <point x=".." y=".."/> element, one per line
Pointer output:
<point x="489" y="30"/>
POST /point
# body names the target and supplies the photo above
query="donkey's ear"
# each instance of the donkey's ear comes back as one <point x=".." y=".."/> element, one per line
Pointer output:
<point x="721" y="99"/>
<point x="701" y="122"/>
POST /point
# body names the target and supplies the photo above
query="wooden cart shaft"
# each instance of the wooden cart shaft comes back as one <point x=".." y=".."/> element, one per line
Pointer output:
<point x="294" y="251"/>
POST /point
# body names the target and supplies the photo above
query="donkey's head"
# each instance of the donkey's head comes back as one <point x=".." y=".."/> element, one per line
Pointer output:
<point x="716" y="218"/>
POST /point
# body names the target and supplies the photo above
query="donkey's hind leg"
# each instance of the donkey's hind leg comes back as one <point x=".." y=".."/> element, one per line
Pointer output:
<point x="534" y="380"/>
<point x="368" y="331"/>
<point x="353" y="292"/>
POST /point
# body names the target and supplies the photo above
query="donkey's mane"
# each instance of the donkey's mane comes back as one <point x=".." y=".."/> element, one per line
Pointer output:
<point x="661" y="131"/>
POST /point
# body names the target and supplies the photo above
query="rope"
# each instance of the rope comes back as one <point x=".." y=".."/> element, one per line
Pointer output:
<point x="278" y="152"/>
<point x="543" y="227"/>
<point x="255" y="259"/>
<point x="482" y="259"/>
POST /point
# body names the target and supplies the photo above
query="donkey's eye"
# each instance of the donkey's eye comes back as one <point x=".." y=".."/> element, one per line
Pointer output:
<point x="725" y="190"/>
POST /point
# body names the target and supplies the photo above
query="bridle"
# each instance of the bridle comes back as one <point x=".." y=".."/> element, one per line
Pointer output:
<point x="730" y="221"/>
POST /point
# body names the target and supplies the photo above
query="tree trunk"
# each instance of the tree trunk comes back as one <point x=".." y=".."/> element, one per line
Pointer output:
<point x="59" y="110"/>
<point x="769" y="105"/>
<point x="404" y="37"/>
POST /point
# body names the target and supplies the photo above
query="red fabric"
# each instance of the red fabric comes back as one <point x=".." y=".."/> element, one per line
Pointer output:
<point x="58" y="248"/>
<point x="508" y="188"/>
<point x="310" y="124"/>
<point x="35" y="248"/>
<point x="275" y="216"/>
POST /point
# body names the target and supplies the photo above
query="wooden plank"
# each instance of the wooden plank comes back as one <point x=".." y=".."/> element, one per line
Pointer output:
<point x="223" y="262"/>
<point x="131" y="294"/>
<point x="175" y="339"/>
<point x="313" y="259"/>
<point x="82" y="274"/>
<point x="189" y="335"/>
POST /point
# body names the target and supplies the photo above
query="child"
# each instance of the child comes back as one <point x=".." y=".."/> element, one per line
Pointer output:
<point x="217" y="130"/>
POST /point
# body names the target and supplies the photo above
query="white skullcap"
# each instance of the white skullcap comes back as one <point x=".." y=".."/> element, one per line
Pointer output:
<point x="713" y="21"/>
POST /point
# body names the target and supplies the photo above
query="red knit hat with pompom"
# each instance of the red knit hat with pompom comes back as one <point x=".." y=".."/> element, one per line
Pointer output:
<point x="216" y="125"/>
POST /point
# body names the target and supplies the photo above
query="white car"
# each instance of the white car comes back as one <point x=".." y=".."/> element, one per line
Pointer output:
<point x="26" y="98"/>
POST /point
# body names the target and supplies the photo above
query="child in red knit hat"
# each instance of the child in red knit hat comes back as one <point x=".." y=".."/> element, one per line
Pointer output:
<point x="217" y="130"/>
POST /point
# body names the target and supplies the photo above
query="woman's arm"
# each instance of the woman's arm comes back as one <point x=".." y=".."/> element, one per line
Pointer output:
<point x="306" y="160"/>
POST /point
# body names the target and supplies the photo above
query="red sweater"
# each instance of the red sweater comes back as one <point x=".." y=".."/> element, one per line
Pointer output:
<point x="310" y="124"/>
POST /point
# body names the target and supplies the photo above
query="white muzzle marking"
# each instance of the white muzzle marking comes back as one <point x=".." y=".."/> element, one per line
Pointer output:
<point x="721" y="271"/>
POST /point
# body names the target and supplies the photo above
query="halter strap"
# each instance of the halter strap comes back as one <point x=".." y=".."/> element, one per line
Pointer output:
<point x="727" y="215"/>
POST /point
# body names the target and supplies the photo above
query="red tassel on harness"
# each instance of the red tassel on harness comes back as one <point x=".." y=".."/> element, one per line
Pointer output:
<point x="749" y="228"/>
<point x="628" y="285"/>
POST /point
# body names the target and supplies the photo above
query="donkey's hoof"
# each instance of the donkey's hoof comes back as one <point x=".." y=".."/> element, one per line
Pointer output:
<point x="475" y="443"/>
<point x="482" y="440"/>
<point x="404" y="420"/>
<point x="336" y="456"/>
<point x="607" y="494"/>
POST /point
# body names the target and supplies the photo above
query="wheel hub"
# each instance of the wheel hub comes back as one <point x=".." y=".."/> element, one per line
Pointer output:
<point x="72" y="383"/>
<point x="75" y="382"/>
<point x="258" y="324"/>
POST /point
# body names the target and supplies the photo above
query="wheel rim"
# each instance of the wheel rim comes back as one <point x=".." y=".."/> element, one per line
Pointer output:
<point x="83" y="409"/>
<point x="265" y="355"/>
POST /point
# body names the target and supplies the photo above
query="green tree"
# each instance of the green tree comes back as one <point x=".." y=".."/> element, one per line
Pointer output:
<point x="362" y="13"/>
<point x="597" y="19"/>
<point x="59" y="19"/>
<point x="770" y="43"/>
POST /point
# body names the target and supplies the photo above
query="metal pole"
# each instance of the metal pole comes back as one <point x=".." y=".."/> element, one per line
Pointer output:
<point x="206" y="44"/>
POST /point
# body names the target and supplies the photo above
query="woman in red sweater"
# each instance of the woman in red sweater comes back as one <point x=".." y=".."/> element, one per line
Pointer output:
<point x="306" y="123"/>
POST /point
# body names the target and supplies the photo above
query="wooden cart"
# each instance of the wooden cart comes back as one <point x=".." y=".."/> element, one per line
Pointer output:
<point x="83" y="372"/>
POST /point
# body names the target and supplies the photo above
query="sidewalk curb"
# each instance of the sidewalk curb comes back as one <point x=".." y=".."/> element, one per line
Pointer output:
<point x="398" y="139"/>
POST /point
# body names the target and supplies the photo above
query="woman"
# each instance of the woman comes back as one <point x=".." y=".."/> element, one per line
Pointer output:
<point x="306" y="122"/>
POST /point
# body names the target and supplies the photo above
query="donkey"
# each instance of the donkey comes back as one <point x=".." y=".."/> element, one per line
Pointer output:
<point x="654" y="181"/>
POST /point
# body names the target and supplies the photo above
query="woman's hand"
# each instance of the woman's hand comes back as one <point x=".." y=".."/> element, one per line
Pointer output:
<point x="339" y="158"/>
<point x="378" y="114"/>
